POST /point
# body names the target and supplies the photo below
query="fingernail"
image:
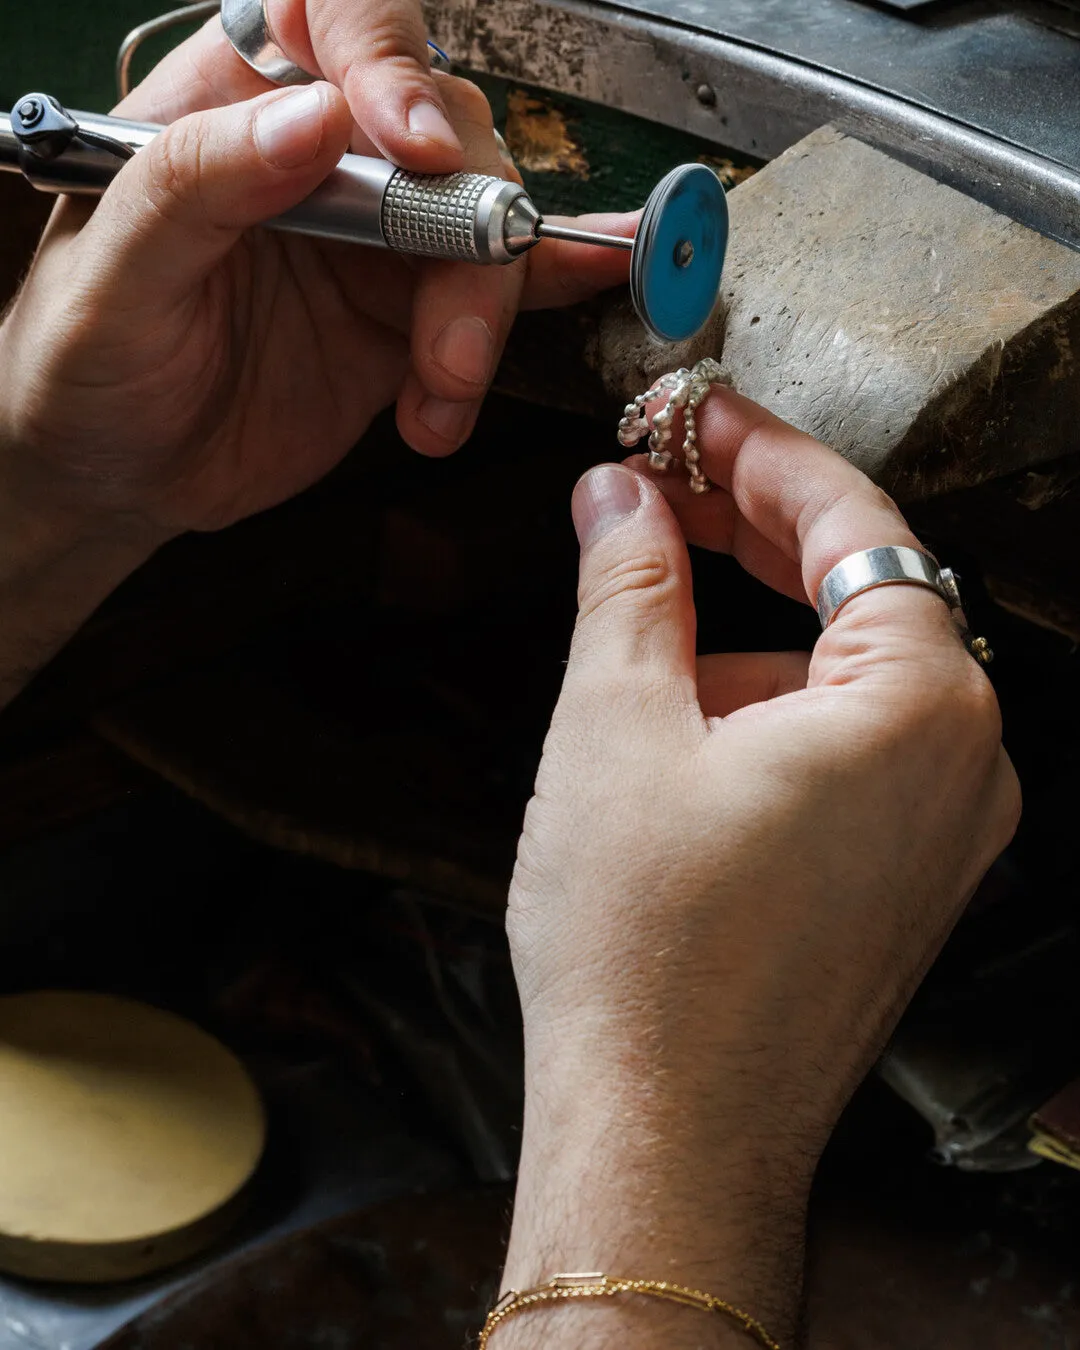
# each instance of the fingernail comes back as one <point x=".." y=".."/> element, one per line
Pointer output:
<point x="289" y="130"/>
<point x="465" y="349"/>
<point x="429" y="122"/>
<point x="603" y="498"/>
<point x="445" y="419"/>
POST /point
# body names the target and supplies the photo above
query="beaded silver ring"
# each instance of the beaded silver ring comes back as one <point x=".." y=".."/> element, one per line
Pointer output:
<point x="687" y="389"/>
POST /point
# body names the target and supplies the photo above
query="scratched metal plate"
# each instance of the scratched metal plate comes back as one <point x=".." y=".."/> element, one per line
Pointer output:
<point x="1002" y="73"/>
<point x="973" y="96"/>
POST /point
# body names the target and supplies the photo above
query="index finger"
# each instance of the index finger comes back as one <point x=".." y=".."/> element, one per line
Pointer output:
<point x="376" y="52"/>
<point x="562" y="273"/>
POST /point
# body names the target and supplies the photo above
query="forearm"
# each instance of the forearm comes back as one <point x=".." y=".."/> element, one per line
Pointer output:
<point x="651" y="1177"/>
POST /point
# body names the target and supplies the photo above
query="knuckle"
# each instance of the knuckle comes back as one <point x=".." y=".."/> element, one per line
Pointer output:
<point x="174" y="180"/>
<point x="955" y="714"/>
<point x="855" y="494"/>
<point x="392" y="37"/>
<point x="388" y="35"/>
<point x="872" y="494"/>
<point x="643" y="583"/>
<point x="966" y="702"/>
<point x="981" y="706"/>
<point x="469" y="102"/>
<point x="599" y="696"/>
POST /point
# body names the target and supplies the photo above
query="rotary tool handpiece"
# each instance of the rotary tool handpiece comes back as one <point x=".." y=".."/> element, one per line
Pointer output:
<point x="465" y="216"/>
<point x="676" y="256"/>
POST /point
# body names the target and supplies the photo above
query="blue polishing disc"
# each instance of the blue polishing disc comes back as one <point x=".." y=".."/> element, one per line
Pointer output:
<point x="679" y="253"/>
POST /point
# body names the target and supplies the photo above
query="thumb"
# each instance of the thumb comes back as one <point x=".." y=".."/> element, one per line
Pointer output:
<point x="177" y="209"/>
<point x="636" y="622"/>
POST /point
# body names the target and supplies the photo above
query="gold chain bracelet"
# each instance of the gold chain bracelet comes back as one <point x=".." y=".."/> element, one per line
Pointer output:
<point x="596" y="1285"/>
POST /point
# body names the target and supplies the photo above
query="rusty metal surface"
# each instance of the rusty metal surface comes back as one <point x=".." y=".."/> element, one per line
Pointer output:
<point x="732" y="75"/>
<point x="996" y="71"/>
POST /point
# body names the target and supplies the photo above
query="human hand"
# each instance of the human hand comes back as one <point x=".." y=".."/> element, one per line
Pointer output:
<point x="169" y="369"/>
<point x="732" y="875"/>
<point x="164" y="364"/>
<point x="374" y="51"/>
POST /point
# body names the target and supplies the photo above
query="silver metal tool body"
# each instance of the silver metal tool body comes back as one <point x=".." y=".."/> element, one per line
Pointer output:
<point x="82" y="168"/>
<point x="466" y="216"/>
<point x="677" y="255"/>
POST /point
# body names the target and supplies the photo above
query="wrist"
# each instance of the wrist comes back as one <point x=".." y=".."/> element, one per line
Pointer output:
<point x="662" y="1176"/>
<point x="57" y="564"/>
<point x="629" y="1321"/>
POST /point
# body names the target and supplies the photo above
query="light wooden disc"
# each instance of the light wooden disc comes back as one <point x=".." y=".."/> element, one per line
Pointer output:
<point x="127" y="1136"/>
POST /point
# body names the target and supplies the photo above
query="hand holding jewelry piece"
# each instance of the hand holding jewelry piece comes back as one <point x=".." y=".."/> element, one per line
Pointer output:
<point x="688" y="388"/>
<point x="733" y="873"/>
<point x="878" y="567"/>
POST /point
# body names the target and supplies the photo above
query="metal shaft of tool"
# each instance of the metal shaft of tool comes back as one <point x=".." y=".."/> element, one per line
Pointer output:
<point x="546" y="230"/>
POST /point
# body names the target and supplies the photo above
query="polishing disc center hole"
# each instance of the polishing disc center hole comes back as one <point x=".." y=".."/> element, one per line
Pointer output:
<point x="684" y="253"/>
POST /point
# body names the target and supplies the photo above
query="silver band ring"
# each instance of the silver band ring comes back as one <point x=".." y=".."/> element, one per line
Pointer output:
<point x="895" y="565"/>
<point x="248" y="29"/>
<point x="247" y="26"/>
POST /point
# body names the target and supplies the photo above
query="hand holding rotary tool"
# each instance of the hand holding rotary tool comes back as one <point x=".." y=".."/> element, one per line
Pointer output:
<point x="215" y="370"/>
<point x="677" y="253"/>
<point x="179" y="369"/>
